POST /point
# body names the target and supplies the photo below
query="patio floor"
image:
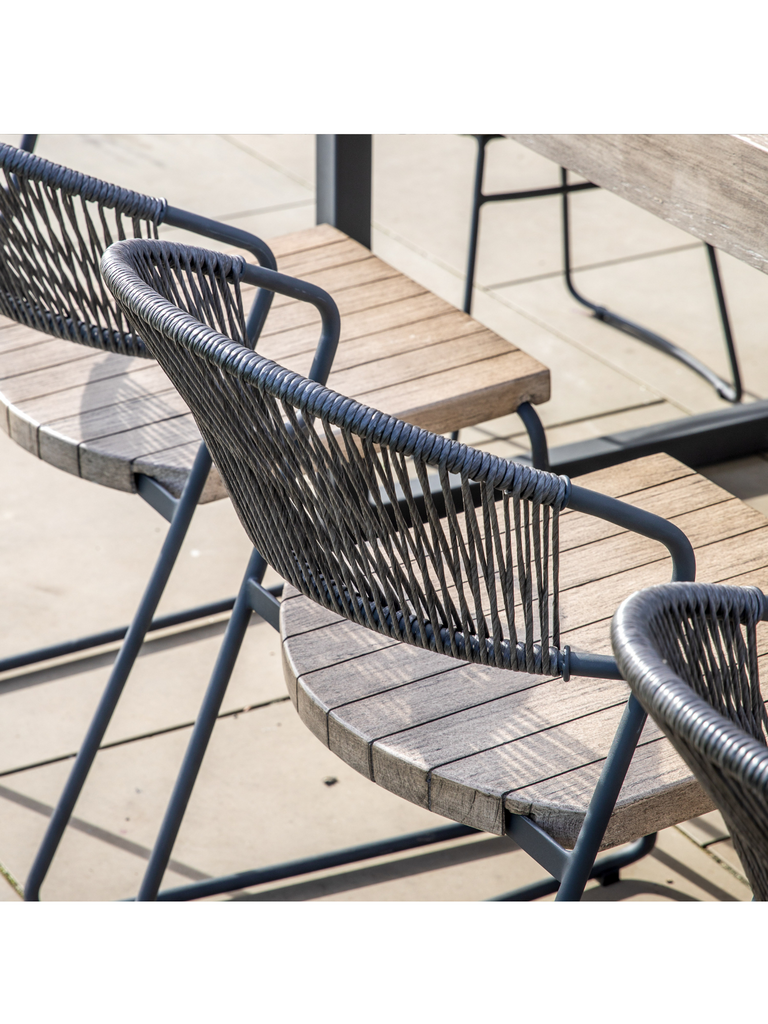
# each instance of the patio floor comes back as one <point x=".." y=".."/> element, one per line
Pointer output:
<point x="75" y="555"/>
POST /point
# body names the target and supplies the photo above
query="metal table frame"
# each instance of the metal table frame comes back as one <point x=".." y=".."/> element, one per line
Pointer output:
<point x="344" y="172"/>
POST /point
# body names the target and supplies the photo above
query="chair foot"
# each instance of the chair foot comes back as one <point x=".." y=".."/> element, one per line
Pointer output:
<point x="609" y="878"/>
<point x="605" y="870"/>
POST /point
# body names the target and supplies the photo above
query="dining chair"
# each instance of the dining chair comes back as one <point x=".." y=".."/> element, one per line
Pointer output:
<point x="341" y="501"/>
<point x="729" y="391"/>
<point x="690" y="653"/>
<point x="379" y="300"/>
<point x="54" y="225"/>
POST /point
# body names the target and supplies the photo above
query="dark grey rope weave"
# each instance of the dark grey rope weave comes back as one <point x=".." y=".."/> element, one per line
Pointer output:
<point x="305" y="468"/>
<point x="54" y="225"/>
<point x="689" y="652"/>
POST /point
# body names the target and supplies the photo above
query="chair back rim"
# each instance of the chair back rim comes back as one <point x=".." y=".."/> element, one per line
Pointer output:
<point x="74" y="183"/>
<point x="668" y="698"/>
<point x="119" y="268"/>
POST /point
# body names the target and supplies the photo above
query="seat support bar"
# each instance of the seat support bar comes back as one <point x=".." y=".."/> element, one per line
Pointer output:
<point x="606" y="869"/>
<point x="321" y="862"/>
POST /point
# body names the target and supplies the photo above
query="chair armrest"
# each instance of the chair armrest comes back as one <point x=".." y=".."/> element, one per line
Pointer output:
<point x="639" y="521"/>
<point x="271" y="281"/>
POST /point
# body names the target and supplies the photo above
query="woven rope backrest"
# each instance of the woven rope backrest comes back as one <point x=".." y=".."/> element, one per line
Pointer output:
<point x="315" y="478"/>
<point x="54" y="226"/>
<point x="689" y="652"/>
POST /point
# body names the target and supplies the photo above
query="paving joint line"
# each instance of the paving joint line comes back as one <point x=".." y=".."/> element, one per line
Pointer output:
<point x="144" y="736"/>
<point x="269" y="163"/>
<point x="718" y="860"/>
<point x="590" y="266"/>
<point x="12" y="880"/>
<point x="579" y="346"/>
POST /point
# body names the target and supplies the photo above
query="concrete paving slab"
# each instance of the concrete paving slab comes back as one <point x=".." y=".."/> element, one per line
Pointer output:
<point x="640" y="290"/>
<point x="481" y="867"/>
<point x="746" y="292"/>
<point x="503" y="448"/>
<point x="471" y="869"/>
<point x="292" y="155"/>
<point x="261" y="187"/>
<point x="706" y="829"/>
<point x="725" y="855"/>
<point x="45" y="713"/>
<point x="423" y="193"/>
<point x="206" y="174"/>
<point x="262" y="797"/>
<point x="746" y="478"/>
<point x="606" y="425"/>
<point x="677" y="870"/>
<point x="77" y="555"/>
<point x="94" y="863"/>
<point x="244" y="813"/>
<point x="582" y="385"/>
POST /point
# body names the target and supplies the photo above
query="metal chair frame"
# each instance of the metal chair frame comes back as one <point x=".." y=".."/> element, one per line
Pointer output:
<point x="689" y="653"/>
<point x="223" y="382"/>
<point x="174" y="510"/>
<point x="728" y="391"/>
<point x="177" y="511"/>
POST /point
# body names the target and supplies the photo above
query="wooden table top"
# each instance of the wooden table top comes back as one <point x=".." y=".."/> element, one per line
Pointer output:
<point x="713" y="186"/>
<point x="403" y="350"/>
<point x="470" y="742"/>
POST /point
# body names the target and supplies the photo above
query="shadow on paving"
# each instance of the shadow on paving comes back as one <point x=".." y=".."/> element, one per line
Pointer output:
<point x="377" y="874"/>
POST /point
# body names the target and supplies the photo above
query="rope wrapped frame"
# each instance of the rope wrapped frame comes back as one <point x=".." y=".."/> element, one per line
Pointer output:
<point x="55" y="224"/>
<point x="308" y="471"/>
<point x="689" y="653"/>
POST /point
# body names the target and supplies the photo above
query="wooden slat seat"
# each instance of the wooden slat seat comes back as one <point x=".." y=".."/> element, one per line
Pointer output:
<point x="470" y="742"/>
<point x="402" y="350"/>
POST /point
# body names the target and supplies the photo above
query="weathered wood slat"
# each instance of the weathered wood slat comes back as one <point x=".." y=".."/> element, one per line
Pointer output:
<point x="41" y="384"/>
<point x="658" y="791"/>
<point x="15" y="336"/>
<point x="278" y="345"/>
<point x="388" y="370"/>
<point x="468" y="741"/>
<point x="331" y="254"/>
<point x="486" y="390"/>
<point x="145" y="382"/>
<point x="712" y="186"/>
<point x="306" y="241"/>
<point x="350" y="301"/>
<point x="109" y="460"/>
<point x="347" y="274"/>
<point x="107" y="418"/>
<point x="170" y="466"/>
<point x="40" y="356"/>
<point x="535" y="758"/>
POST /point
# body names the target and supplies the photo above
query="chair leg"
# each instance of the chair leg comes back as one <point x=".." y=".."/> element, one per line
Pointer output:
<point x="120" y="672"/>
<point x="536" y="434"/>
<point x="474" y="229"/>
<point x="729" y="392"/>
<point x="581" y="861"/>
<point x="725" y="322"/>
<point x="201" y="733"/>
<point x="605" y="870"/>
<point x="535" y="428"/>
